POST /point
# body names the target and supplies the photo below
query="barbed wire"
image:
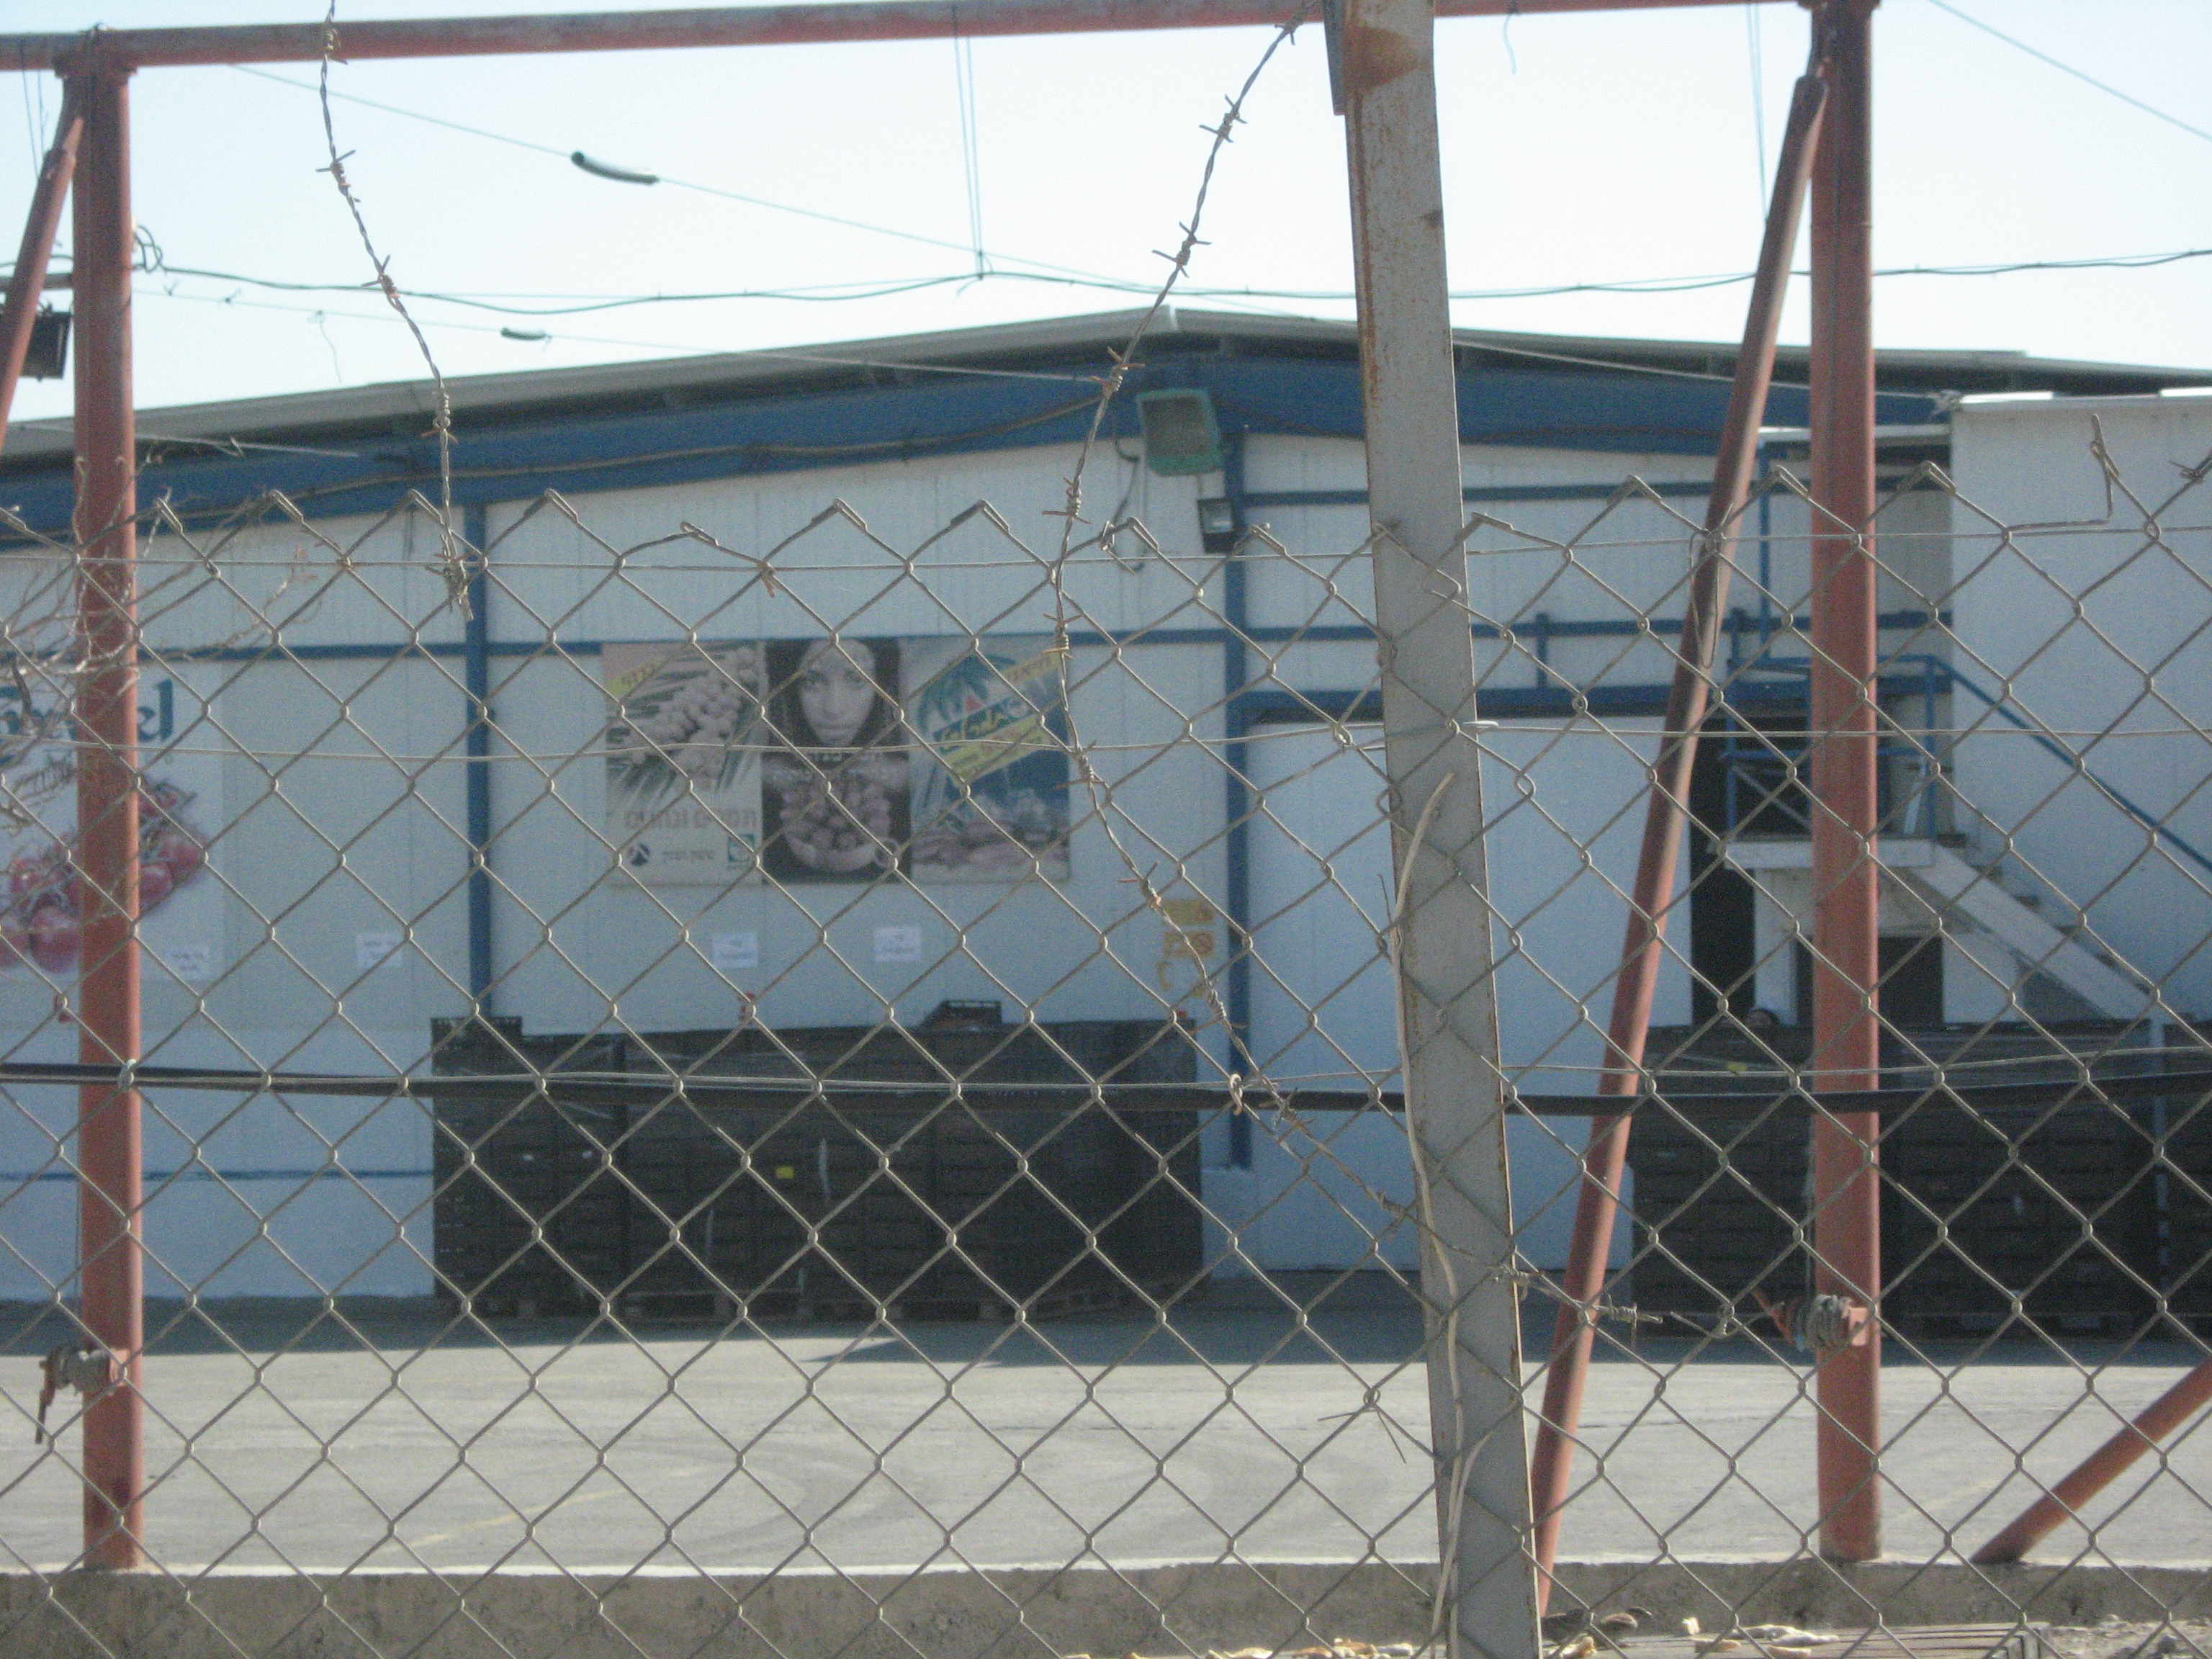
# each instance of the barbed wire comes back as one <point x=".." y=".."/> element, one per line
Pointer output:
<point x="862" y="1038"/>
<point x="452" y="565"/>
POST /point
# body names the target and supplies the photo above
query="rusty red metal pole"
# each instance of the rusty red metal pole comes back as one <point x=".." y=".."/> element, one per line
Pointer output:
<point x="1846" y="887"/>
<point x="712" y="26"/>
<point x="1642" y="951"/>
<point x="19" y="311"/>
<point x="2101" y="1467"/>
<point x="108" y="1136"/>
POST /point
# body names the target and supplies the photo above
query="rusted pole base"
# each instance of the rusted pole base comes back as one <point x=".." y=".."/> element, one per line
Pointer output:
<point x="2101" y="1467"/>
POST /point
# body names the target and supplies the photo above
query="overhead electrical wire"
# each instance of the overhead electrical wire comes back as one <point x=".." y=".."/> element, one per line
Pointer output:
<point x="2065" y="68"/>
<point x="1757" y="94"/>
<point x="603" y="170"/>
<point x="1045" y="271"/>
<point x="574" y="305"/>
<point x="822" y="357"/>
<point x="971" y="155"/>
<point x="1039" y="271"/>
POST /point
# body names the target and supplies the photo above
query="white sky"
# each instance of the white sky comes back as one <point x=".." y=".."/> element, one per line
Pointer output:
<point x="1593" y="148"/>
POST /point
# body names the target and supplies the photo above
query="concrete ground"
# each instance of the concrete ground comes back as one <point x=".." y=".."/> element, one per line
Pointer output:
<point x="814" y="1445"/>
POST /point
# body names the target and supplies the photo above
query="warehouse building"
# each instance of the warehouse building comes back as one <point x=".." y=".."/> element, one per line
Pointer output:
<point x="376" y="808"/>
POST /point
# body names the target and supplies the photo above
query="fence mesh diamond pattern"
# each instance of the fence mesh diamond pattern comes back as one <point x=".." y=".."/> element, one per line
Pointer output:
<point x="741" y="1038"/>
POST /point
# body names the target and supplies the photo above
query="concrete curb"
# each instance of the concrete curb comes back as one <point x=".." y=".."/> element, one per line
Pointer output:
<point x="959" y="1614"/>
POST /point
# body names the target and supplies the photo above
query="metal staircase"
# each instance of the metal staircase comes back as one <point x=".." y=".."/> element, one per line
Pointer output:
<point x="1947" y="870"/>
<point x="1937" y="885"/>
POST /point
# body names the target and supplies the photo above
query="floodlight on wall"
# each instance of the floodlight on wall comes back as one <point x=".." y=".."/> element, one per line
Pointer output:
<point x="1181" y="436"/>
<point x="48" y="356"/>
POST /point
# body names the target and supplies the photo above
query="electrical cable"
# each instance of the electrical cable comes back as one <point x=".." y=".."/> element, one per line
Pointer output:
<point x="2065" y="68"/>
<point x="971" y="156"/>
<point x="839" y="292"/>
<point x="640" y="345"/>
<point x="673" y="182"/>
<point x="1757" y="94"/>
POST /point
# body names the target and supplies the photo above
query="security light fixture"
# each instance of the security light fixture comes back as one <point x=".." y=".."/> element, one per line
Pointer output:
<point x="49" y="354"/>
<point x="1181" y="436"/>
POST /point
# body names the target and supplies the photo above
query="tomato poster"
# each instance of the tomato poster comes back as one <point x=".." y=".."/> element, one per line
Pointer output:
<point x="42" y="921"/>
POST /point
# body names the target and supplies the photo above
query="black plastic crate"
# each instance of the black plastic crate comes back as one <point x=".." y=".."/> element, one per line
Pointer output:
<point x="529" y="1213"/>
<point x="767" y="1200"/>
<point x="2182" y="1126"/>
<point x="2051" y="1210"/>
<point x="2045" y="1212"/>
<point x="1717" y="1208"/>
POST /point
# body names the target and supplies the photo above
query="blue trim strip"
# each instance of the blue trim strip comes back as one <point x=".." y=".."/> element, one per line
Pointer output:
<point x="476" y="678"/>
<point x="2141" y="815"/>
<point x="1739" y="623"/>
<point x="1477" y="492"/>
<point x="321" y="1172"/>
<point x="1541" y="702"/>
<point x="1236" y="793"/>
<point x="1591" y="410"/>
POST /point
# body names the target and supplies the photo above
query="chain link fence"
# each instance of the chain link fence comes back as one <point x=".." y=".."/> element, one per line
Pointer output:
<point x="812" y="1039"/>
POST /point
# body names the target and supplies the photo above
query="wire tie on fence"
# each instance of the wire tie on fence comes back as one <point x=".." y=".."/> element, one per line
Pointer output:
<point x="1818" y="1324"/>
<point x="90" y="1370"/>
<point x="1371" y="1401"/>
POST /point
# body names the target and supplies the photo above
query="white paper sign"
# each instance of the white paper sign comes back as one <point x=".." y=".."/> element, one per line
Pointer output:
<point x="192" y="964"/>
<point x="901" y="943"/>
<point x="733" y="952"/>
<point x="373" y="949"/>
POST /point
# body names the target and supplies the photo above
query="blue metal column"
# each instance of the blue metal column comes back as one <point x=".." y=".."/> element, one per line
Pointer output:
<point x="476" y="679"/>
<point x="1237" y="794"/>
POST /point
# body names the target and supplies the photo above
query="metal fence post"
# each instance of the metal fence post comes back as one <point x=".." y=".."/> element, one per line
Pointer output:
<point x="26" y="284"/>
<point x="1447" y="998"/>
<point x="1605" y="1159"/>
<point x="1847" y="879"/>
<point x="108" y="1132"/>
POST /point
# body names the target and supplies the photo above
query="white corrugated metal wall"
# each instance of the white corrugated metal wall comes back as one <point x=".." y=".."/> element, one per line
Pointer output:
<point x="347" y="825"/>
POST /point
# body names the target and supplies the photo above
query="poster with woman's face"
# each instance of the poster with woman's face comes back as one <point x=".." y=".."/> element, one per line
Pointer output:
<point x="835" y="783"/>
<point x="990" y="797"/>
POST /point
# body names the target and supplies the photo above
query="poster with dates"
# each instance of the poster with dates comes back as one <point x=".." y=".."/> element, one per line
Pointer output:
<point x="837" y="760"/>
<point x="683" y="738"/>
<point x="178" y="807"/>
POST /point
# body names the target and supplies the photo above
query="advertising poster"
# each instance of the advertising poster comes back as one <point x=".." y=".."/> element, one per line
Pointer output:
<point x="837" y="759"/>
<point x="835" y="786"/>
<point x="41" y="925"/>
<point x="990" y="795"/>
<point x="684" y="731"/>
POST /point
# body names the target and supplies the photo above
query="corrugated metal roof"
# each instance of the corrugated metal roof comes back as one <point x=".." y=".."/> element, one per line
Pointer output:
<point x="1062" y="340"/>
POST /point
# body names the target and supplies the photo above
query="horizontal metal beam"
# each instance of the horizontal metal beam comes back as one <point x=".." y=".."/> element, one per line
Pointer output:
<point x="717" y="26"/>
<point x="585" y="1090"/>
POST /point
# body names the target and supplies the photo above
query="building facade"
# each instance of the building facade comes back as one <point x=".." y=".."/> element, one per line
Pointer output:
<point x="376" y="805"/>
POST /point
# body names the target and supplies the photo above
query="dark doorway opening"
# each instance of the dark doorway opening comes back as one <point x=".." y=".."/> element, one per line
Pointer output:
<point x="1748" y="781"/>
<point x="1911" y="994"/>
